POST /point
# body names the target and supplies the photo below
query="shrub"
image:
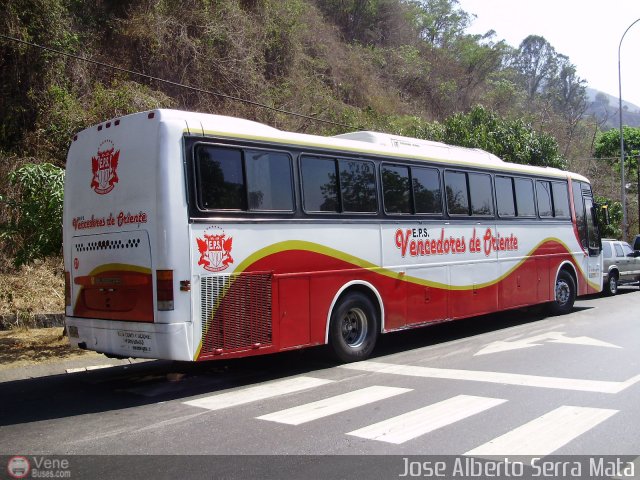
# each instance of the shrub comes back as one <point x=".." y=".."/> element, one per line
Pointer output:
<point x="33" y="225"/>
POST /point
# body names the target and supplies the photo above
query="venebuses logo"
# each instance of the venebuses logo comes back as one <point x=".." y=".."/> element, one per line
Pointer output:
<point x="18" y="467"/>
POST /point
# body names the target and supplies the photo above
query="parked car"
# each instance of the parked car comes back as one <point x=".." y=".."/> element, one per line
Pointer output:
<point x="621" y="265"/>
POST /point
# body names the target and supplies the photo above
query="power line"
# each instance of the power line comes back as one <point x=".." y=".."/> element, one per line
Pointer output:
<point x="176" y="84"/>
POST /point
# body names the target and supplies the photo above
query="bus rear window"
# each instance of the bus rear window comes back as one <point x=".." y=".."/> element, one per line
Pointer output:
<point x="245" y="180"/>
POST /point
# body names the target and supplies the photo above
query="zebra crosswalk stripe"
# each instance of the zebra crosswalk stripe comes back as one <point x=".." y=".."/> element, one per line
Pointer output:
<point x="330" y="406"/>
<point x="503" y="378"/>
<point x="545" y="434"/>
<point x="418" y="422"/>
<point x="259" y="392"/>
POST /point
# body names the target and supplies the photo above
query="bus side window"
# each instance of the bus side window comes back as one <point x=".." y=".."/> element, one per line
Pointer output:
<point x="426" y="190"/>
<point x="543" y="193"/>
<point x="358" y="186"/>
<point x="505" y="197"/>
<point x="269" y="180"/>
<point x="481" y="194"/>
<point x="220" y="178"/>
<point x="560" y="200"/>
<point x="395" y="188"/>
<point x="525" y="203"/>
<point x="319" y="184"/>
<point x="456" y="191"/>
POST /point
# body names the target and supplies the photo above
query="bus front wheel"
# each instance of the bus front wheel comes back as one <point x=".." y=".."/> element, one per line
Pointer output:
<point x="564" y="294"/>
<point x="354" y="328"/>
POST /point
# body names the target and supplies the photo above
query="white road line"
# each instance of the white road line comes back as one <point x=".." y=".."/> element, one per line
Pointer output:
<point x="424" y="420"/>
<point x="259" y="392"/>
<point x="333" y="405"/>
<point x="560" y="383"/>
<point x="545" y="434"/>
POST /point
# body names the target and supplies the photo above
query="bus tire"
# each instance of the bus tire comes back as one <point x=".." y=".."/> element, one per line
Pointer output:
<point x="564" y="294"/>
<point x="353" y="330"/>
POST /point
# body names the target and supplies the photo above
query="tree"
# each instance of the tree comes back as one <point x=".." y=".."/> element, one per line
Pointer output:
<point x="567" y="91"/>
<point x="607" y="146"/>
<point x="439" y="22"/>
<point x="356" y="18"/>
<point x="511" y="140"/>
<point x="536" y="62"/>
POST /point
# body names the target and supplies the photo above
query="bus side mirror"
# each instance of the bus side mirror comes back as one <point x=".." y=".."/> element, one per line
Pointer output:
<point x="605" y="214"/>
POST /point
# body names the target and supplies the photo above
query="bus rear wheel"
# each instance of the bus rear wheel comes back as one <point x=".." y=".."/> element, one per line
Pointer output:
<point x="354" y="328"/>
<point x="565" y="294"/>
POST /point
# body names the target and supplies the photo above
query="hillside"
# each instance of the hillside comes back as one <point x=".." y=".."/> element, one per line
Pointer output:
<point x="363" y="63"/>
<point x="606" y="110"/>
<point x="397" y="66"/>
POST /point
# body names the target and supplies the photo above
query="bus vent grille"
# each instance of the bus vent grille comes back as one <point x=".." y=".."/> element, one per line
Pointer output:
<point x="236" y="311"/>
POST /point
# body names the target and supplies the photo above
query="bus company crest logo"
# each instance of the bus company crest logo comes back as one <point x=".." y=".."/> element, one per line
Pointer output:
<point x="215" y="251"/>
<point x="18" y="467"/>
<point x="104" y="167"/>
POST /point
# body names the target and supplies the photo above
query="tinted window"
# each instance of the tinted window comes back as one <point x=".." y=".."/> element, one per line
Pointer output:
<point x="504" y="197"/>
<point x="269" y="180"/>
<point x="560" y="200"/>
<point x="481" y="197"/>
<point x="426" y="190"/>
<point x="581" y="218"/>
<point x="358" y="186"/>
<point x="626" y="249"/>
<point x="220" y="178"/>
<point x="592" y="225"/>
<point x="319" y="184"/>
<point x="395" y="187"/>
<point x="456" y="188"/>
<point x="606" y="248"/>
<point x="525" y="204"/>
<point x="543" y="192"/>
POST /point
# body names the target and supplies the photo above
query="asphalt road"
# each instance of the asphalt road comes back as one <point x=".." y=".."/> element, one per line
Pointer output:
<point x="513" y="384"/>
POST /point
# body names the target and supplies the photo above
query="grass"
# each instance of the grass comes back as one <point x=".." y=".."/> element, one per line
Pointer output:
<point x="34" y="288"/>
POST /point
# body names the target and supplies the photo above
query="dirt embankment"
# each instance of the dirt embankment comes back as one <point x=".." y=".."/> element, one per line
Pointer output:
<point x="25" y="295"/>
<point x="28" y="346"/>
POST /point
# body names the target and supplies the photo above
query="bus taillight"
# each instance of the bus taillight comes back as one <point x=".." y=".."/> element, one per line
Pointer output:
<point x="164" y="289"/>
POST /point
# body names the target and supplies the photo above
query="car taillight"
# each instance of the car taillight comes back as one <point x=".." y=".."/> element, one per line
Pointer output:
<point x="164" y="289"/>
<point x="67" y="288"/>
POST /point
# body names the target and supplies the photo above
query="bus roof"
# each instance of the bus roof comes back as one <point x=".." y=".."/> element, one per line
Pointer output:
<point x="364" y="142"/>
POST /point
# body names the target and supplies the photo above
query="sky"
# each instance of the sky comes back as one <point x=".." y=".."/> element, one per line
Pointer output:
<point x="586" y="31"/>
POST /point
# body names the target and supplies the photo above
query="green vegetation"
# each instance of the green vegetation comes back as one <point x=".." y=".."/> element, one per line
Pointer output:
<point x="402" y="66"/>
<point x="33" y="229"/>
<point x="611" y="229"/>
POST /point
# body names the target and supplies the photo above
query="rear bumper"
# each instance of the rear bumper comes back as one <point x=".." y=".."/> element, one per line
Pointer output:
<point x="168" y="341"/>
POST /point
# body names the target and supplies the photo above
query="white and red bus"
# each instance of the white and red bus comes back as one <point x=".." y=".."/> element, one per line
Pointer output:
<point x="193" y="237"/>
